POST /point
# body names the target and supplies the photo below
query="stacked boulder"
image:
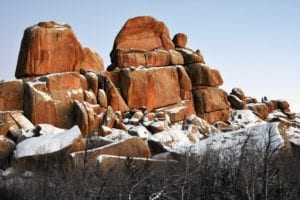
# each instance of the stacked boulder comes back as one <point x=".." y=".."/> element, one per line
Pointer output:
<point x="238" y="100"/>
<point x="145" y="103"/>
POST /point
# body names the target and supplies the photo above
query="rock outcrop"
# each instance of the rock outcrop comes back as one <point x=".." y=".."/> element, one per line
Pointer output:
<point x="157" y="96"/>
<point x="50" y="47"/>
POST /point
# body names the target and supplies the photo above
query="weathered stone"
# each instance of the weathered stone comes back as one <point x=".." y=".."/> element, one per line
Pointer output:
<point x="49" y="99"/>
<point x="132" y="147"/>
<point x="176" y="58"/>
<point x="90" y="97"/>
<point x="184" y="79"/>
<point x="238" y="92"/>
<point x="210" y="100"/>
<point x="114" y="98"/>
<point x="220" y="115"/>
<point x="260" y="109"/>
<point x="104" y="131"/>
<point x="6" y="148"/>
<point x="143" y="33"/>
<point x="203" y="126"/>
<point x="136" y="118"/>
<point x="47" y="50"/>
<point x="236" y="102"/>
<point x="180" y="40"/>
<point x="102" y="99"/>
<point x="92" y="81"/>
<point x="190" y="56"/>
<point x="158" y="126"/>
<point x="157" y="58"/>
<point x="283" y="106"/>
<point x="46" y="149"/>
<point x="202" y="75"/>
<point x="130" y="59"/>
<point x="11" y="95"/>
<point x="152" y="88"/>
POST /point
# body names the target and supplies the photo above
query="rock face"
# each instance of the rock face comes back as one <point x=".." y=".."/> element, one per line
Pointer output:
<point x="11" y="95"/>
<point x="211" y="104"/>
<point x="180" y="40"/>
<point x="6" y="148"/>
<point x="49" y="99"/>
<point x="153" y="87"/>
<point x="49" y="47"/>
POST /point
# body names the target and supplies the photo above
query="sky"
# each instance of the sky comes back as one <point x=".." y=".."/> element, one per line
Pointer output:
<point x="255" y="44"/>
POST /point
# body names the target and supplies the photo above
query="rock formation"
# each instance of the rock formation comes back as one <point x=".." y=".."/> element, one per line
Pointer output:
<point x="157" y="95"/>
<point x="50" y="47"/>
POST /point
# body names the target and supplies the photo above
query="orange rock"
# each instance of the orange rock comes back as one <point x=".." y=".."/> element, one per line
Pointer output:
<point x="152" y="87"/>
<point x="49" y="99"/>
<point x="203" y="75"/>
<point x="190" y="56"/>
<point x="176" y="58"/>
<point x="6" y="148"/>
<point x="132" y="147"/>
<point x="11" y="95"/>
<point x="157" y="58"/>
<point x="210" y="100"/>
<point x="54" y="48"/>
<point x="184" y="79"/>
<point x="180" y="40"/>
<point x="114" y="98"/>
<point x="220" y="115"/>
<point x="144" y="33"/>
<point x="130" y="59"/>
<point x="260" y="109"/>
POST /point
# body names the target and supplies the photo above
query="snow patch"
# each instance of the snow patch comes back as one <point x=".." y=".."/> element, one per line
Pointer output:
<point x="244" y="118"/>
<point x="48" y="143"/>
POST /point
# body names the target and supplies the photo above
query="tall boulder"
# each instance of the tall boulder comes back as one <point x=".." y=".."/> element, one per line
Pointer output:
<point x="50" y="47"/>
<point x="137" y="39"/>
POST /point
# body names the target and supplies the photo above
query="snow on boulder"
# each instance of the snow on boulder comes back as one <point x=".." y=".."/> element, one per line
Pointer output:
<point x="140" y="131"/>
<point x="69" y="141"/>
<point x="244" y="118"/>
<point x="255" y="137"/>
<point x="175" y="139"/>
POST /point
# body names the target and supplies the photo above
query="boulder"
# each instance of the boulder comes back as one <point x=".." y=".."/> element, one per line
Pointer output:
<point x="92" y="81"/>
<point x="54" y="48"/>
<point x="6" y="148"/>
<point x="203" y="126"/>
<point x="236" y="102"/>
<point x="11" y="95"/>
<point x="127" y="59"/>
<point x="114" y="98"/>
<point x="176" y="58"/>
<point x="142" y="33"/>
<point x="202" y="75"/>
<point x="102" y="99"/>
<point x="132" y="147"/>
<point x="158" y="126"/>
<point x="87" y="117"/>
<point x="210" y="100"/>
<point x="49" y="99"/>
<point x="33" y="151"/>
<point x="13" y="121"/>
<point x="151" y="88"/>
<point x="136" y="118"/>
<point x="283" y="105"/>
<point x="261" y="109"/>
<point x="180" y="40"/>
<point x="238" y="92"/>
<point x="190" y="57"/>
<point x="90" y="97"/>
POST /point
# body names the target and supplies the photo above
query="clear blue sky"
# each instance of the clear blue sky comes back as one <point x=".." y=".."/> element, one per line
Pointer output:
<point x="255" y="43"/>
